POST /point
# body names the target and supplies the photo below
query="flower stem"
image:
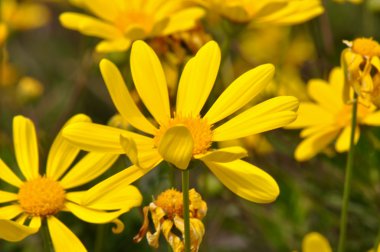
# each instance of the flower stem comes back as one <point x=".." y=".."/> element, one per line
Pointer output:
<point x="186" y="216"/>
<point x="48" y="245"/>
<point x="348" y="178"/>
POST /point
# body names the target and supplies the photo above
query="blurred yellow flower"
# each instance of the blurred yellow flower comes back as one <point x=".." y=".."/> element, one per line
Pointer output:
<point x="167" y="217"/>
<point x="124" y="21"/>
<point x="361" y="65"/>
<point x="315" y="242"/>
<point x="279" y="12"/>
<point x="40" y="197"/>
<point x="29" y="89"/>
<point x="179" y="136"/>
<point x="329" y="117"/>
<point x="21" y="16"/>
<point x="349" y="1"/>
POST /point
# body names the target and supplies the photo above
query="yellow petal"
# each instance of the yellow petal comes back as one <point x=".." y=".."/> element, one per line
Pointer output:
<point x="240" y="92"/>
<point x="10" y="212"/>
<point x="223" y="155"/>
<point x="310" y="114"/>
<point x="293" y="13"/>
<point x="115" y="45"/>
<point x="268" y="115"/>
<point x="63" y="239"/>
<point x="372" y="119"/>
<point x="7" y="196"/>
<point x="197" y="80"/>
<point x="130" y="149"/>
<point x="325" y="95"/>
<point x="309" y="147"/>
<point x="62" y="153"/>
<point x="8" y="176"/>
<point x="315" y="242"/>
<point x="122" y="196"/>
<point x="176" y="146"/>
<point x="122" y="98"/>
<point x="89" y="26"/>
<point x="125" y="177"/>
<point x="102" y="9"/>
<point x="100" y="138"/>
<point x="246" y="180"/>
<point x="88" y="168"/>
<point x="12" y="231"/>
<point x="183" y="20"/>
<point x="25" y="143"/>
<point x="343" y="142"/>
<point x="150" y="81"/>
<point x="93" y="216"/>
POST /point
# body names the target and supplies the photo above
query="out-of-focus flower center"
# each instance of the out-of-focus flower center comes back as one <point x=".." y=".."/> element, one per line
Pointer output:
<point x="366" y="47"/>
<point x="41" y="197"/>
<point x="199" y="128"/>
<point x="171" y="202"/>
<point x="343" y="117"/>
<point x="127" y="20"/>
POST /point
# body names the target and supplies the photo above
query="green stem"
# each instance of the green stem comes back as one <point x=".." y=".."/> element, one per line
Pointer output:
<point x="186" y="216"/>
<point x="48" y="245"/>
<point x="348" y="178"/>
<point x="99" y="242"/>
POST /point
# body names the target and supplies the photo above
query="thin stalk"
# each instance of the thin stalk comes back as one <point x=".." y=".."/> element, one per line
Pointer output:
<point x="186" y="216"/>
<point x="99" y="242"/>
<point x="348" y="178"/>
<point x="48" y="245"/>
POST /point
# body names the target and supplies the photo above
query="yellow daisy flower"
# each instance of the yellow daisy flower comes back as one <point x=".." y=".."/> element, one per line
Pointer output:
<point x="41" y="197"/>
<point x="361" y="64"/>
<point x="315" y="242"/>
<point x="188" y="133"/>
<point x="21" y="16"/>
<point x="124" y="21"/>
<point x="167" y="216"/>
<point x="329" y="117"/>
<point x="280" y="12"/>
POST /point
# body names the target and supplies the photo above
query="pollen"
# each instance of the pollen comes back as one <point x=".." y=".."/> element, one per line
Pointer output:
<point x="199" y="129"/>
<point x="366" y="47"/>
<point x="171" y="201"/>
<point x="41" y="197"/>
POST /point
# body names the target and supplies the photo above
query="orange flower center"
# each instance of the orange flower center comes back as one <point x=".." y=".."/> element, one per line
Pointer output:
<point x="345" y="114"/>
<point x="366" y="47"/>
<point x="199" y="129"/>
<point x="41" y="197"/>
<point x="134" y="19"/>
<point x="171" y="201"/>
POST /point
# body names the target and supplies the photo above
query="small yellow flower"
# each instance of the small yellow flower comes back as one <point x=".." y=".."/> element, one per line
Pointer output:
<point x="124" y="21"/>
<point x="167" y="217"/>
<point x="315" y="242"/>
<point x="280" y="12"/>
<point x="329" y="117"/>
<point x="41" y="197"/>
<point x="187" y="133"/>
<point x="361" y="64"/>
<point x="21" y="16"/>
<point x="29" y="89"/>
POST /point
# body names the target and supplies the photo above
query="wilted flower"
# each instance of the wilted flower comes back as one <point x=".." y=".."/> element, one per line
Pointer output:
<point x="167" y="216"/>
<point x="361" y="65"/>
